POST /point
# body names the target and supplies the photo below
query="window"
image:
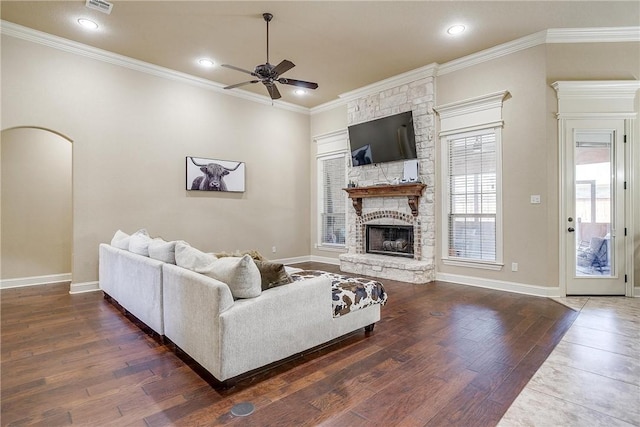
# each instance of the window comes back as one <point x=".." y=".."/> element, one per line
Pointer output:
<point x="332" y="200"/>
<point x="471" y="134"/>
<point x="332" y="151"/>
<point x="472" y="204"/>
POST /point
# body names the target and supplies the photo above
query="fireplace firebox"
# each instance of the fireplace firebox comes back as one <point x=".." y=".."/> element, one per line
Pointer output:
<point x="392" y="240"/>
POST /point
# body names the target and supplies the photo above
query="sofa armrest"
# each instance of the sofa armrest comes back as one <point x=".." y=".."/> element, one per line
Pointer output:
<point x="281" y="322"/>
<point x="193" y="303"/>
<point x="135" y="281"/>
<point x="107" y="269"/>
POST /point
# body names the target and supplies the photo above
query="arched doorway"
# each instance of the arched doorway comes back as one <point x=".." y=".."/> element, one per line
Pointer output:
<point x="36" y="207"/>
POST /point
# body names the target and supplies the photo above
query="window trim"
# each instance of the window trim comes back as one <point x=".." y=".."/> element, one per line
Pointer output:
<point x="329" y="146"/>
<point x="471" y="262"/>
<point x="463" y="119"/>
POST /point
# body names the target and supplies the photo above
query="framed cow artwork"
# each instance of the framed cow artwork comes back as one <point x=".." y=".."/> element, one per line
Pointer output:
<point x="214" y="175"/>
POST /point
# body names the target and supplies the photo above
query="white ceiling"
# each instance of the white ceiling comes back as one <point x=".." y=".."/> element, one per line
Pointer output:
<point x="341" y="45"/>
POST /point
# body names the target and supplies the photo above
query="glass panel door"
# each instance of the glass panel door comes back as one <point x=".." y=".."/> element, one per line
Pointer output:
<point x="594" y="179"/>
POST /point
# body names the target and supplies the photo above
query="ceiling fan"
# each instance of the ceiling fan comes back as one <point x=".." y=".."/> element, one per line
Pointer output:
<point x="268" y="74"/>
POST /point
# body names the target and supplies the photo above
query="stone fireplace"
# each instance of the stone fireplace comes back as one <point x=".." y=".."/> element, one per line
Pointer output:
<point x="379" y="205"/>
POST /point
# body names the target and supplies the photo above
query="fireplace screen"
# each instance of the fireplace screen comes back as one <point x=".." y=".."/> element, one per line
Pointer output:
<point x="394" y="240"/>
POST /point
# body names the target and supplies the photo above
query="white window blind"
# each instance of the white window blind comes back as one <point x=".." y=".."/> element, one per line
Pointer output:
<point x="333" y="200"/>
<point x="472" y="185"/>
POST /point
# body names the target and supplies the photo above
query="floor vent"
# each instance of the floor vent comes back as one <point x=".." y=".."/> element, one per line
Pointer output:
<point x="242" y="409"/>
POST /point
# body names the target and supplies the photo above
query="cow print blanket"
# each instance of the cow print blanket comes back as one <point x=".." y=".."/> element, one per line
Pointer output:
<point x="348" y="293"/>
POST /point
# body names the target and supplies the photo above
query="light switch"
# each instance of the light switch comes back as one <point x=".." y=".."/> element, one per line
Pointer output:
<point x="535" y="199"/>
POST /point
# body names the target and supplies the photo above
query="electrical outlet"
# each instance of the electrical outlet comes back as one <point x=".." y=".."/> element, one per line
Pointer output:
<point x="535" y="199"/>
<point x="273" y="249"/>
<point x="514" y="266"/>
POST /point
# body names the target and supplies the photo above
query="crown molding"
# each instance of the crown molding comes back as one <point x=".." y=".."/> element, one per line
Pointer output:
<point x="609" y="89"/>
<point x="472" y="105"/>
<point x="331" y="136"/>
<point x="471" y="114"/>
<point x="593" y="35"/>
<point x="39" y="37"/>
<point x="580" y="97"/>
<point x="328" y="106"/>
<point x="492" y="53"/>
<point x="391" y="82"/>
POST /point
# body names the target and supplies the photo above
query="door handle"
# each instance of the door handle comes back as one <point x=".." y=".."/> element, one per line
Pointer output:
<point x="571" y="229"/>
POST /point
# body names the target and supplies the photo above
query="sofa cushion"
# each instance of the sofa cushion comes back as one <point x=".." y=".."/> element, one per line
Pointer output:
<point x="239" y="273"/>
<point x="163" y="251"/>
<point x="139" y="242"/>
<point x="193" y="259"/>
<point x="120" y="240"/>
<point x="272" y="274"/>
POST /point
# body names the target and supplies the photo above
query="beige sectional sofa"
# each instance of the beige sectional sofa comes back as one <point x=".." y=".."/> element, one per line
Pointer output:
<point x="135" y="282"/>
<point x="227" y="336"/>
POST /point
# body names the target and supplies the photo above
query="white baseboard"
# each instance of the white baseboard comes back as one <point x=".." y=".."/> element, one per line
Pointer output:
<point x="79" y="288"/>
<point x="326" y="260"/>
<point x="35" y="280"/>
<point x="293" y="260"/>
<point x="499" y="285"/>
<point x="308" y="258"/>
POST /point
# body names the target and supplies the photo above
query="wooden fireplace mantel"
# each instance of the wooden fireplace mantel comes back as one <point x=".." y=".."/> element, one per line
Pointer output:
<point x="411" y="191"/>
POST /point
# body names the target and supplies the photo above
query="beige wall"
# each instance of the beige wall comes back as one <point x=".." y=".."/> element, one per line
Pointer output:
<point x="36" y="204"/>
<point x="593" y="61"/>
<point x="132" y="132"/>
<point x="529" y="162"/>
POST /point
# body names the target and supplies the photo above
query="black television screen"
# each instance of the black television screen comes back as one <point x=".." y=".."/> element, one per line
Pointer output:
<point x="388" y="139"/>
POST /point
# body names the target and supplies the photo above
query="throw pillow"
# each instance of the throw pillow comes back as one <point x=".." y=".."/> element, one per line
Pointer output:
<point x="163" y="251"/>
<point x="240" y="274"/>
<point x="121" y="240"/>
<point x="272" y="274"/>
<point x="139" y="242"/>
<point x="193" y="259"/>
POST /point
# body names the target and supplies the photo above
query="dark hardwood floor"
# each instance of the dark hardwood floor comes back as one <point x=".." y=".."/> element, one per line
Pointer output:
<point x="442" y="355"/>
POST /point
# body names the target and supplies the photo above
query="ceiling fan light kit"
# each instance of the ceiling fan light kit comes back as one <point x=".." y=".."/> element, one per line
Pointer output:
<point x="268" y="74"/>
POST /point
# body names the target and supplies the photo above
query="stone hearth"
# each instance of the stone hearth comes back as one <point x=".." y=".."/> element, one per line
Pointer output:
<point x="386" y="267"/>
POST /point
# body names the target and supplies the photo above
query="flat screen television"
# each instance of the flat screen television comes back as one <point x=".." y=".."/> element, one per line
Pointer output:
<point x="388" y="139"/>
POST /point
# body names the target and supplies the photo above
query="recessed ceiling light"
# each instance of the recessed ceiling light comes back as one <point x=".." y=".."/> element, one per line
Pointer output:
<point x="300" y="91"/>
<point x="87" y="23"/>
<point x="206" y="62"/>
<point x="456" y="29"/>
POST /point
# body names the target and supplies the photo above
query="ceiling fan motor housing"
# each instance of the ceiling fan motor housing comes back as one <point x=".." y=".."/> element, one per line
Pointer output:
<point x="264" y="70"/>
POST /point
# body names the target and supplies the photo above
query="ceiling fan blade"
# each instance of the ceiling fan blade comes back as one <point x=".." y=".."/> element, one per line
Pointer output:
<point x="233" y="67"/>
<point x="241" y="84"/>
<point x="283" y="67"/>
<point x="274" y="93"/>
<point x="299" y="83"/>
